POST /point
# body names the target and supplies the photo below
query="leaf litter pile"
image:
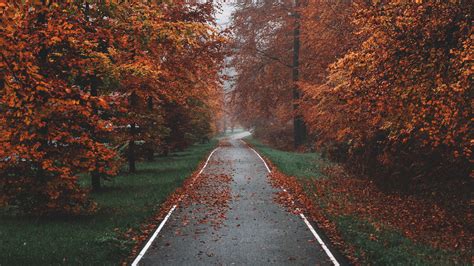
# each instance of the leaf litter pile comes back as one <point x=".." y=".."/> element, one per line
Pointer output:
<point x="210" y="199"/>
<point x="421" y="220"/>
<point x="206" y="195"/>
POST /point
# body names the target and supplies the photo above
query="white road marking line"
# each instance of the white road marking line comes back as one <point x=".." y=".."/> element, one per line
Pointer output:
<point x="265" y="163"/>
<point x="308" y="224"/>
<point x="207" y="161"/>
<point x="326" y="249"/>
<point x="268" y="168"/>
<point x="148" y="244"/>
<point x="155" y="234"/>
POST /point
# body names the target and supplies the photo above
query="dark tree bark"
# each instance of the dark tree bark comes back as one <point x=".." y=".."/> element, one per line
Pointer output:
<point x="132" y="150"/>
<point x="299" y="127"/>
<point x="95" y="181"/>
<point x="95" y="175"/>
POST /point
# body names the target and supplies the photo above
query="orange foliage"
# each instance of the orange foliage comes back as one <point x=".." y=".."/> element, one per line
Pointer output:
<point x="68" y="72"/>
<point x="400" y="100"/>
<point x="48" y="123"/>
<point x="262" y="60"/>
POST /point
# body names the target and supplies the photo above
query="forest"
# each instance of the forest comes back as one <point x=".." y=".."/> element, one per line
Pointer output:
<point x="362" y="110"/>
<point x="382" y="88"/>
<point x="87" y="85"/>
<point x="385" y="86"/>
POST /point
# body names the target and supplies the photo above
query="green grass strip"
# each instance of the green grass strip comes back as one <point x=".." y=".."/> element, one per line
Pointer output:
<point x="125" y="203"/>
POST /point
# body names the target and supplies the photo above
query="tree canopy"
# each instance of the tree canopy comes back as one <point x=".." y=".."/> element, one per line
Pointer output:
<point x="83" y="83"/>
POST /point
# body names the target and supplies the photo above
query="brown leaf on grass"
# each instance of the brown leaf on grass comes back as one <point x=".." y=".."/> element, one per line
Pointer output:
<point x="418" y="218"/>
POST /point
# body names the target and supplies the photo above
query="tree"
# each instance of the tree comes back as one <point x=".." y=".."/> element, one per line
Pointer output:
<point x="263" y="92"/>
<point x="48" y="122"/>
<point x="75" y="74"/>
<point x="401" y="100"/>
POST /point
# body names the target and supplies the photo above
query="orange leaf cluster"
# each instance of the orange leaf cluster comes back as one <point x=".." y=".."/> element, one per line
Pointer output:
<point x="400" y="99"/>
<point x="80" y="80"/>
<point x="386" y="84"/>
<point x="262" y="60"/>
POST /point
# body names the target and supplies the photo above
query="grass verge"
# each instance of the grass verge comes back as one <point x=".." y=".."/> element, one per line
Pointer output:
<point x="125" y="203"/>
<point x="376" y="245"/>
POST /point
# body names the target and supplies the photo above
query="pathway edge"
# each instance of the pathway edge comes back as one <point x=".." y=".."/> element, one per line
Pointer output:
<point x="162" y="224"/>
<point x="303" y="217"/>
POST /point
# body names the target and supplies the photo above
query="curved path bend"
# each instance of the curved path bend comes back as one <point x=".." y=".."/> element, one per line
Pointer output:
<point x="253" y="229"/>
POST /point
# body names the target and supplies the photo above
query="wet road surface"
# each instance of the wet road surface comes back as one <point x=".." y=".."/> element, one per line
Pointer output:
<point x="243" y="226"/>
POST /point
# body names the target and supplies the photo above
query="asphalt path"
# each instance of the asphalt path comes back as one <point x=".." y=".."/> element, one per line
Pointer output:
<point x="243" y="226"/>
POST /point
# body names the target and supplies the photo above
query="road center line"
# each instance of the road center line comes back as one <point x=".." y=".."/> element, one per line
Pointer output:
<point x="155" y="234"/>
<point x="305" y="220"/>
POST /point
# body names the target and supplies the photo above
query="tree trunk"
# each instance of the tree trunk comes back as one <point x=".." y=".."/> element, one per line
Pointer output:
<point x="95" y="175"/>
<point x="299" y="128"/>
<point x="95" y="181"/>
<point x="150" y="154"/>
<point x="150" y="146"/>
<point x="131" y="150"/>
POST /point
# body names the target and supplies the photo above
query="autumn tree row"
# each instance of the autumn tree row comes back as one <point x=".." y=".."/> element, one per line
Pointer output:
<point x="87" y="84"/>
<point x="387" y="84"/>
